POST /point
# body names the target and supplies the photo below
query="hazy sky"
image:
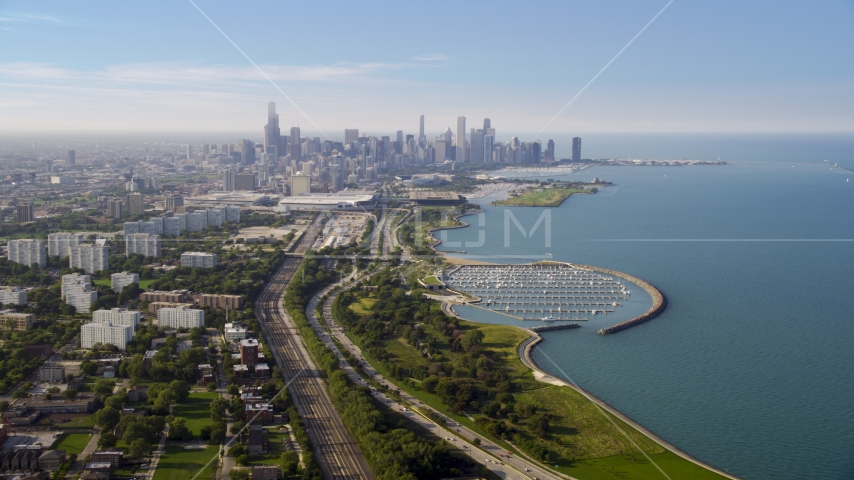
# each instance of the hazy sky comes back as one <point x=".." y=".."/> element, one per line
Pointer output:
<point x="720" y="65"/>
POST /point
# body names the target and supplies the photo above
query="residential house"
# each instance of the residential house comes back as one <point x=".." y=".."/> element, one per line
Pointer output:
<point x="258" y="443"/>
<point x="51" y="459"/>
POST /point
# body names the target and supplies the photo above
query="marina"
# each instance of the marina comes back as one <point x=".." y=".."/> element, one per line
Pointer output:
<point x="545" y="292"/>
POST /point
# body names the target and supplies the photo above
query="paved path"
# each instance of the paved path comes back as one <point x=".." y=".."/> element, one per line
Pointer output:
<point x="90" y="447"/>
<point x="161" y="449"/>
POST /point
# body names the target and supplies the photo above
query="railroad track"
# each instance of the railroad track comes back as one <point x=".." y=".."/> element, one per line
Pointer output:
<point x="334" y="447"/>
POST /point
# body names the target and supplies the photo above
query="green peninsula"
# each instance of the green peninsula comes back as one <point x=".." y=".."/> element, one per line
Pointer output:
<point x="541" y="197"/>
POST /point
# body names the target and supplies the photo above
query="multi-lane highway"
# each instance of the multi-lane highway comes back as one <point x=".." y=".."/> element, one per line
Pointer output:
<point x="487" y="453"/>
<point x="388" y="220"/>
<point x="395" y="242"/>
<point x="334" y="447"/>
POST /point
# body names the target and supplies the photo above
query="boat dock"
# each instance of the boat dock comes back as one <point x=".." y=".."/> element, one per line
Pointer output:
<point x="540" y="292"/>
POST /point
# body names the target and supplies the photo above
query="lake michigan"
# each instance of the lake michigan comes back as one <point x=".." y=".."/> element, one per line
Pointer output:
<point x="751" y="367"/>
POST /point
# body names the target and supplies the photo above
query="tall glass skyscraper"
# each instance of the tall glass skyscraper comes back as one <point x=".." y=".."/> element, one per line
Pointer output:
<point x="461" y="139"/>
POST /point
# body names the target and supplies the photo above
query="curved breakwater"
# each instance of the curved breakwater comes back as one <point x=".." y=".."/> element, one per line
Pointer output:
<point x="659" y="302"/>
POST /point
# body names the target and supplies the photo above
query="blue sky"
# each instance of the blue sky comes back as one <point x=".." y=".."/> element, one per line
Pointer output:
<point x="717" y="66"/>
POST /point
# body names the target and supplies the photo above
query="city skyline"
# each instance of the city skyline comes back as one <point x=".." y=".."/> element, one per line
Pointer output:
<point x="698" y="68"/>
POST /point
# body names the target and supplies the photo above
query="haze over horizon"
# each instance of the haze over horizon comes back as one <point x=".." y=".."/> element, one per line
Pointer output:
<point x="161" y="66"/>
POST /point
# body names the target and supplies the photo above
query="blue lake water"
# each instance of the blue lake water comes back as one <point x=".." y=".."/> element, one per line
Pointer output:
<point x="751" y="367"/>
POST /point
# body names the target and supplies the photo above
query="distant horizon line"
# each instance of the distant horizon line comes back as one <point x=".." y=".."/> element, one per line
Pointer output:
<point x="303" y="133"/>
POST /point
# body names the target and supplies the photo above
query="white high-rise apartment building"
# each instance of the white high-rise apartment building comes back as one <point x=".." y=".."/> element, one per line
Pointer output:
<point x="81" y="301"/>
<point x="197" y="221"/>
<point x="117" y="316"/>
<point x="182" y="220"/>
<point x="143" y="244"/>
<point x="118" y="281"/>
<point x="172" y="226"/>
<point x="12" y="296"/>
<point x="129" y="228"/>
<point x="105" y="333"/>
<point x="180" y="317"/>
<point x="153" y="226"/>
<point x="27" y="252"/>
<point x="215" y="217"/>
<point x="90" y="258"/>
<point x="461" y="139"/>
<point x="76" y="290"/>
<point x="198" y="260"/>
<point x="75" y="282"/>
<point x="230" y="213"/>
<point x="228" y="180"/>
<point x="59" y="244"/>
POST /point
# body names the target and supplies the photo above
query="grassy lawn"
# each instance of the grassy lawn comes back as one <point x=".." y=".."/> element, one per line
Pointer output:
<point x="503" y="339"/>
<point x="196" y="411"/>
<point x="579" y="430"/>
<point x="79" y="422"/>
<point x="89" y="382"/>
<point x="582" y="441"/>
<point x="639" y="468"/>
<point x="431" y="280"/>
<point x="179" y="463"/>
<point x="363" y="306"/>
<point x="548" y="197"/>
<point x="72" y="443"/>
<point x="127" y="471"/>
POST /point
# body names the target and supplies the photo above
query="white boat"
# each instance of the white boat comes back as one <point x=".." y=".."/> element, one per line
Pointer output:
<point x="548" y="318"/>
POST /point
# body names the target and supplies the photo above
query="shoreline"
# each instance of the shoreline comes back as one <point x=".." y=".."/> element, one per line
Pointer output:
<point x="524" y="352"/>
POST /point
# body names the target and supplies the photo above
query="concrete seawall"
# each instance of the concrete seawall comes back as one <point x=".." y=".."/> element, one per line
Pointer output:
<point x="659" y="302"/>
<point x="436" y="242"/>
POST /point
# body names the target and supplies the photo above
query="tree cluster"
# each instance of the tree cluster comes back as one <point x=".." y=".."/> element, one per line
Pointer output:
<point x="455" y="367"/>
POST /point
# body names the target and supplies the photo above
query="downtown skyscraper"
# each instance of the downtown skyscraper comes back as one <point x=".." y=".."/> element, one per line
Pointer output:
<point x="476" y="148"/>
<point x="274" y="144"/>
<point x="351" y="135"/>
<point x="295" y="145"/>
<point x="461" y="139"/>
